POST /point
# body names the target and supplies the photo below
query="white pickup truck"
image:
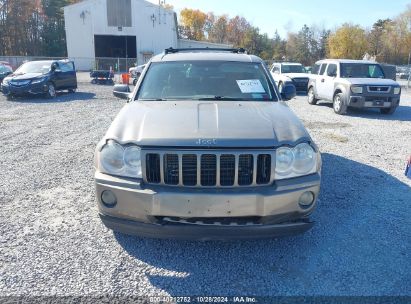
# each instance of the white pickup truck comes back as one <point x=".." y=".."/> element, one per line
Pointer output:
<point x="353" y="83"/>
<point x="285" y="73"/>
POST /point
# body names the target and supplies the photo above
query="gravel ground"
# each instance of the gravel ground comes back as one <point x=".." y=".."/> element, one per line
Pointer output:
<point x="53" y="243"/>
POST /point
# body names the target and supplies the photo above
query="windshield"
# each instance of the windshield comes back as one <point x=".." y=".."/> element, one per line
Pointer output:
<point x="4" y="69"/>
<point x="42" y="67"/>
<point x="292" y="68"/>
<point x="361" y="70"/>
<point x="206" y="80"/>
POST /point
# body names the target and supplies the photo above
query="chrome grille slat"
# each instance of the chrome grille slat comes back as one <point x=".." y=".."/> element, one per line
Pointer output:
<point x="218" y="169"/>
<point x="254" y="177"/>
<point x="180" y="169"/>
<point x="236" y="171"/>
<point x="208" y="168"/>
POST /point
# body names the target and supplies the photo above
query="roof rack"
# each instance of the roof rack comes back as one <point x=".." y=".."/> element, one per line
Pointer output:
<point x="231" y="50"/>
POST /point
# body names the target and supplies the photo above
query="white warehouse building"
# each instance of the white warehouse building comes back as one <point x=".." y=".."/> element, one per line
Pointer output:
<point x="119" y="33"/>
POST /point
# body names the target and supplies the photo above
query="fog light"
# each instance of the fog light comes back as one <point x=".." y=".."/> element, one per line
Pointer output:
<point x="108" y="198"/>
<point x="306" y="199"/>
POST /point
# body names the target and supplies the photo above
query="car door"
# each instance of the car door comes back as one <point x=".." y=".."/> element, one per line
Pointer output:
<point x="329" y="80"/>
<point x="57" y="76"/>
<point x="69" y="75"/>
<point x="320" y="82"/>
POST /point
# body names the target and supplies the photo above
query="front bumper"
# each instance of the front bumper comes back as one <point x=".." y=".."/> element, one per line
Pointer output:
<point x="300" y="86"/>
<point x="30" y="89"/>
<point x="205" y="233"/>
<point x="140" y="210"/>
<point x="369" y="100"/>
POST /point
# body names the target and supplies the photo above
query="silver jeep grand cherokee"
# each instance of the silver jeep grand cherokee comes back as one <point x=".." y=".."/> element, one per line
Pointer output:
<point x="205" y="149"/>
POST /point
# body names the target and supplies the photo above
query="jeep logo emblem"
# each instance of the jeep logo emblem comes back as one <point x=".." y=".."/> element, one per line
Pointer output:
<point x="206" y="142"/>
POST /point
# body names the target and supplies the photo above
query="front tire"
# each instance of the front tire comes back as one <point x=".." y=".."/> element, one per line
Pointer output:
<point x="51" y="91"/>
<point x="338" y="104"/>
<point x="388" y="111"/>
<point x="312" y="100"/>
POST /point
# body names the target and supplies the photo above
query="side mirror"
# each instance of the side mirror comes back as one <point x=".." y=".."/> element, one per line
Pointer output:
<point x="122" y="91"/>
<point x="288" y="92"/>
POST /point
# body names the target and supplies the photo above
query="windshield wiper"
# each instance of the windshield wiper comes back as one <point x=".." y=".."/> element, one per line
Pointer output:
<point x="222" y="98"/>
<point x="152" y="99"/>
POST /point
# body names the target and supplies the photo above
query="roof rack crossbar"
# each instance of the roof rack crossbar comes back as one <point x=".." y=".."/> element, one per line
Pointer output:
<point x="231" y="50"/>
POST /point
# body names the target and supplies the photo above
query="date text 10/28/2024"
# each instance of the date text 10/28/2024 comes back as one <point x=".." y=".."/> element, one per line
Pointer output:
<point x="199" y="299"/>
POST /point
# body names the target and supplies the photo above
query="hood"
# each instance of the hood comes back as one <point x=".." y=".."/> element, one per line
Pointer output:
<point x="297" y="75"/>
<point x="372" y="81"/>
<point x="27" y="76"/>
<point x="207" y="124"/>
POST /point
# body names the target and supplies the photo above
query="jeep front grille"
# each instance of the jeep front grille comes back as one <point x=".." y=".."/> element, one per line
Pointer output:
<point x="205" y="169"/>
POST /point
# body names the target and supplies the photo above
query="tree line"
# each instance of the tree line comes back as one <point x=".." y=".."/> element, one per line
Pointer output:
<point x="33" y="27"/>
<point x="388" y="40"/>
<point x="36" y="28"/>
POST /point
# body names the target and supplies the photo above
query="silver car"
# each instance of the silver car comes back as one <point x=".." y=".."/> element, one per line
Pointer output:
<point x="353" y="84"/>
<point x="206" y="149"/>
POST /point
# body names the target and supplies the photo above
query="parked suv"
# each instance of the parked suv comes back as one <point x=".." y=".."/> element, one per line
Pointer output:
<point x="206" y="149"/>
<point x="290" y="73"/>
<point x="41" y="78"/>
<point x="353" y="83"/>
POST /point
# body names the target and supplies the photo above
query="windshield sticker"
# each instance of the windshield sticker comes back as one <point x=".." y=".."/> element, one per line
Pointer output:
<point x="250" y="86"/>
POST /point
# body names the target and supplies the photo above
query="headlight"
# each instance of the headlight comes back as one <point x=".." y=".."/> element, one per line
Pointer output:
<point x="118" y="160"/>
<point x="38" y="80"/>
<point x="304" y="158"/>
<point x="397" y="90"/>
<point x="112" y="157"/>
<point x="132" y="160"/>
<point x="297" y="161"/>
<point x="284" y="160"/>
<point x="356" y="90"/>
<point x="6" y="81"/>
